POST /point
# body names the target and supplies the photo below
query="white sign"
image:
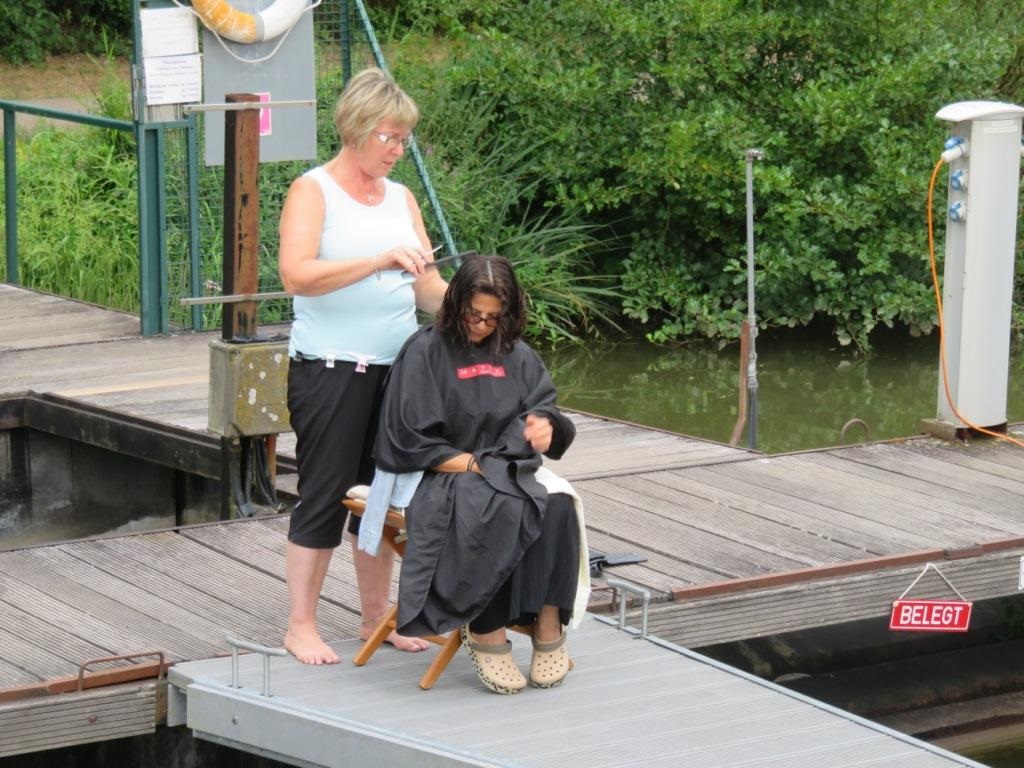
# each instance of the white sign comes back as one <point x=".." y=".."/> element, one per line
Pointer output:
<point x="174" y="80"/>
<point x="168" y="32"/>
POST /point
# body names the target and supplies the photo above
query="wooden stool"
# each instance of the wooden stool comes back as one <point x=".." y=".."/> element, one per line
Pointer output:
<point x="394" y="535"/>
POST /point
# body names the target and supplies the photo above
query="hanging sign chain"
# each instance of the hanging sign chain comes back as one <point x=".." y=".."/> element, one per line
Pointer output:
<point x="941" y="575"/>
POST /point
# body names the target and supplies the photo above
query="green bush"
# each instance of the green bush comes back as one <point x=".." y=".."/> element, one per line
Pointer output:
<point x="491" y="206"/>
<point x="641" y="113"/>
<point x="31" y="29"/>
<point x="28" y="30"/>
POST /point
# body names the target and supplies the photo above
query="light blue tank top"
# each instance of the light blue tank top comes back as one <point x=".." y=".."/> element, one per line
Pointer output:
<point x="368" y="321"/>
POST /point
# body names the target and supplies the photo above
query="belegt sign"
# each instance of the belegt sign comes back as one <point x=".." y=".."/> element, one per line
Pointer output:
<point x="930" y="615"/>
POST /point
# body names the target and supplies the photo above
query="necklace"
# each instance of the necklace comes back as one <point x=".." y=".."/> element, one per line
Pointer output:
<point x="372" y="196"/>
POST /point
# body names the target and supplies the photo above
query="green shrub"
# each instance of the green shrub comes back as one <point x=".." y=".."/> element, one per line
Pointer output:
<point x="491" y="205"/>
<point x="641" y="113"/>
<point x="28" y="30"/>
<point x="31" y="29"/>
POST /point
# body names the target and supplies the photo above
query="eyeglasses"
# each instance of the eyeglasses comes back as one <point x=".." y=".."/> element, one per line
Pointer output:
<point x="473" y="318"/>
<point x="390" y="141"/>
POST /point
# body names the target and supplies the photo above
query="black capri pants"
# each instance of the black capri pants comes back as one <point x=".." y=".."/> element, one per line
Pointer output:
<point x="334" y="414"/>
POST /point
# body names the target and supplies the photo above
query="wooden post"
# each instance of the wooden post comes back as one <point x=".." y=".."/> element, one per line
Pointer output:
<point x="241" y="215"/>
<point x="741" y="414"/>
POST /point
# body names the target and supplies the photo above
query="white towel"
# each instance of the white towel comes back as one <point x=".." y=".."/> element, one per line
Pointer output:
<point x="387" y="490"/>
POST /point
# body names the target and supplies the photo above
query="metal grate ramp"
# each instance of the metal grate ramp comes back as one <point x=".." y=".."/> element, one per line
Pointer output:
<point x="628" y="702"/>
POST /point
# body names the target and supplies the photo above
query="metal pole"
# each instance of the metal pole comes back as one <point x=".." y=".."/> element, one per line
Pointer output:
<point x="195" y="257"/>
<point x="10" y="198"/>
<point x="414" y="150"/>
<point x="751" y="156"/>
<point x="346" y="44"/>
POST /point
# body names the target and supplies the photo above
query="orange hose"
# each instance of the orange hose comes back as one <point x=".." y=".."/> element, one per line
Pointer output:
<point x="938" y="305"/>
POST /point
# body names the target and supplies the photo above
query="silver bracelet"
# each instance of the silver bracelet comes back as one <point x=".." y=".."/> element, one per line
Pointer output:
<point x="376" y="266"/>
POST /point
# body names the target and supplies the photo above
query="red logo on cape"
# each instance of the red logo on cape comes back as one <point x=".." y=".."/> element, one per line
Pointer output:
<point x="483" y="369"/>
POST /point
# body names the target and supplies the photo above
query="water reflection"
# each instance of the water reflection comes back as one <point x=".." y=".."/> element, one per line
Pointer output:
<point x="808" y="388"/>
<point x="1006" y="755"/>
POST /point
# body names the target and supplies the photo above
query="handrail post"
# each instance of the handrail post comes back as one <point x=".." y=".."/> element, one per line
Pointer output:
<point x="11" y="197"/>
<point x="194" y="246"/>
<point x="151" y="204"/>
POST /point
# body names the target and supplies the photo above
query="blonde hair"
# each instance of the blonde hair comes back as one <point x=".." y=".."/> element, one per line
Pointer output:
<point x="372" y="97"/>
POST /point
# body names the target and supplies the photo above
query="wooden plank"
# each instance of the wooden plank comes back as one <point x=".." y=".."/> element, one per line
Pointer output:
<point x="243" y="587"/>
<point x="12" y="676"/>
<point x="709" y="515"/>
<point x="52" y="722"/>
<point x="221" y="591"/>
<point x="778" y="473"/>
<point x="938" y="475"/>
<point x="25" y="653"/>
<point x="1000" y="461"/>
<point x="119" y="603"/>
<point x="30" y="319"/>
<point x="50" y="638"/>
<point x="652" y="531"/>
<point x="96" y="623"/>
<point x="263" y="547"/>
<point x="925" y="493"/>
<point x="876" y="536"/>
<point x="661" y="573"/>
<point x="723" y="490"/>
<point x="939" y="518"/>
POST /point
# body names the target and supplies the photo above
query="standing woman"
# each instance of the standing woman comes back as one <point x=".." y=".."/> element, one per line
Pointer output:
<point x="353" y="253"/>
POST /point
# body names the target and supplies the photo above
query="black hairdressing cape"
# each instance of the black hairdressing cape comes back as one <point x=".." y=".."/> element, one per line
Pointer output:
<point x="467" y="532"/>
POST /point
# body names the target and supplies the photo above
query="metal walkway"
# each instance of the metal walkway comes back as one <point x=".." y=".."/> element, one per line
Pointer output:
<point x="628" y="702"/>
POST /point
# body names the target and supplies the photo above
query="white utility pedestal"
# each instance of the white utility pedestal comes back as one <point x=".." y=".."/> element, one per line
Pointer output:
<point x="984" y="154"/>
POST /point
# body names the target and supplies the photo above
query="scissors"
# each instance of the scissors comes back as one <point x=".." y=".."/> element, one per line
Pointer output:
<point x="446" y="259"/>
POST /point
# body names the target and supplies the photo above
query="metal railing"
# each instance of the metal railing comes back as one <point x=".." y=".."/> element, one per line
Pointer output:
<point x="11" y="109"/>
<point x="180" y="203"/>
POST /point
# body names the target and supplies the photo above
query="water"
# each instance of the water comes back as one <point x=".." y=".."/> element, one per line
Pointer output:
<point x="808" y="388"/>
<point x="1007" y="755"/>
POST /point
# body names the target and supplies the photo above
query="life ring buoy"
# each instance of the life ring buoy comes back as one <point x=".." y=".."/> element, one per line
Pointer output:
<point x="241" y="27"/>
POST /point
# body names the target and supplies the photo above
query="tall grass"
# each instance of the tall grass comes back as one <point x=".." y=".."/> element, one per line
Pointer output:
<point x="77" y="214"/>
<point x="492" y="207"/>
<point x="78" y="221"/>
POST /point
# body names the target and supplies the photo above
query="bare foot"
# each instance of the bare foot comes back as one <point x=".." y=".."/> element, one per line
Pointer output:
<point x="401" y="642"/>
<point x="409" y="644"/>
<point x="306" y="645"/>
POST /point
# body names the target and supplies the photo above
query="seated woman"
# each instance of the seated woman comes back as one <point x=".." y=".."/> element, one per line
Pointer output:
<point x="494" y="538"/>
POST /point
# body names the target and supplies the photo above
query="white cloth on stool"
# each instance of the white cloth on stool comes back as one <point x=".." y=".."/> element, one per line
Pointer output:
<point x="387" y="490"/>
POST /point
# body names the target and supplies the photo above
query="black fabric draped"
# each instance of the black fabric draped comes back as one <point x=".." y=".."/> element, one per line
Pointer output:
<point x="467" y="532"/>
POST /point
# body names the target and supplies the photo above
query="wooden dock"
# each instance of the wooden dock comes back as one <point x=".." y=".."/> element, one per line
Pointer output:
<point x="737" y="544"/>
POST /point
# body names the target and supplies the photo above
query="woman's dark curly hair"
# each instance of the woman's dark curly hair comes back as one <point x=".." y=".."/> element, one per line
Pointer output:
<point x="494" y="276"/>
